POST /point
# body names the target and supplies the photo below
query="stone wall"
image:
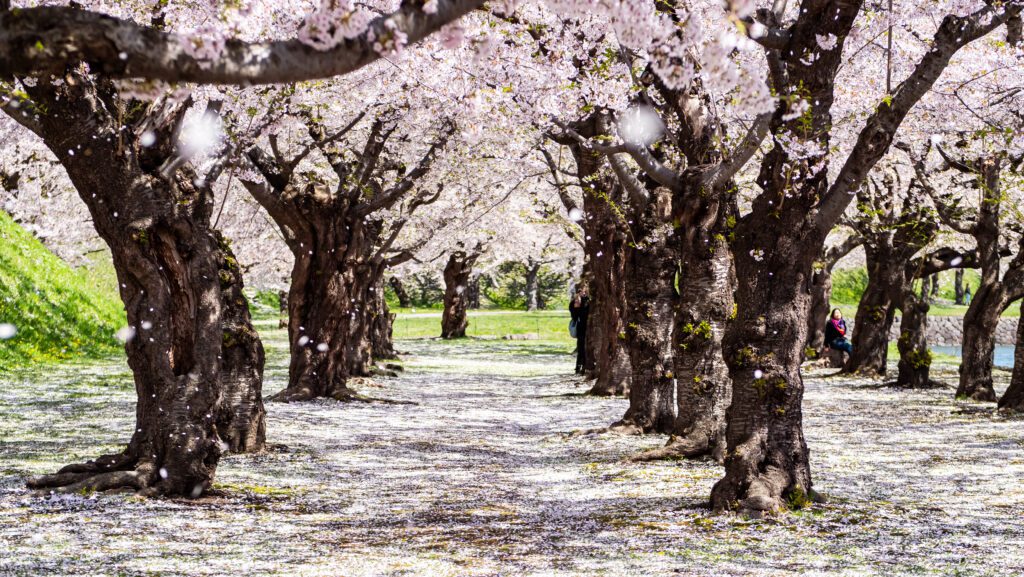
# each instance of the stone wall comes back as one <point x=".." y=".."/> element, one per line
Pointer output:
<point x="950" y="330"/>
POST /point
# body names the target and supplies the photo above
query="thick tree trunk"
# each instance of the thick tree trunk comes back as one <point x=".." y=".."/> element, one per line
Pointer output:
<point x="454" y="319"/>
<point x="767" y="462"/>
<point x="330" y="313"/>
<point x="958" y="287"/>
<point x="168" y="263"/>
<point x="650" y="270"/>
<point x="979" y="344"/>
<point x="875" y="314"/>
<point x="532" y="285"/>
<point x="1013" y="398"/>
<point x="382" y="322"/>
<point x="403" y="296"/>
<point x="915" y="356"/>
<point x="703" y="311"/>
<point x="604" y="245"/>
<point x="607" y="324"/>
<point x="241" y="421"/>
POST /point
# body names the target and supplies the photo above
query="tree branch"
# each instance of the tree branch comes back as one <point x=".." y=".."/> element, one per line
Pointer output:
<point x="47" y="40"/>
<point x="873" y="142"/>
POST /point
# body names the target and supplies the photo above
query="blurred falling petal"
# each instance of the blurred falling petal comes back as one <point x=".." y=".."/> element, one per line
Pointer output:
<point x="641" y="125"/>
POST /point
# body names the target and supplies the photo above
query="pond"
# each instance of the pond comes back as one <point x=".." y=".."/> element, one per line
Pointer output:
<point x="1004" y="354"/>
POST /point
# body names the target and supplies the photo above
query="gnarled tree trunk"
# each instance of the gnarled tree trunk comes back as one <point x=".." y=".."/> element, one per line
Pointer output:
<point x="650" y="271"/>
<point x="175" y="281"/>
<point x="915" y="356"/>
<point x="875" y="315"/>
<point x="241" y="421"/>
<point x="703" y="311"/>
<point x="456" y="280"/>
<point x="400" y="293"/>
<point x="979" y="344"/>
<point x="382" y="322"/>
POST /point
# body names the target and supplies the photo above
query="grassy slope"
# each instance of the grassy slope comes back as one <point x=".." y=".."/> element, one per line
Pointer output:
<point x="59" y="312"/>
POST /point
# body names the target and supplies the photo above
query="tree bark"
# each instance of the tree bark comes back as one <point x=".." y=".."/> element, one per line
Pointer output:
<point x="958" y="287"/>
<point x="1013" y="398"/>
<point x="336" y="307"/>
<point x="875" y="315"/>
<point x="703" y="311"/>
<point x="382" y="343"/>
<point x="454" y="319"/>
<point x="403" y="296"/>
<point x="979" y="344"/>
<point x="330" y="306"/>
<point x="532" y="285"/>
<point x="988" y="302"/>
<point x="241" y="422"/>
<point x="915" y="356"/>
<point x="604" y="244"/>
<point x="650" y="271"/>
<point x="282" y="297"/>
<point x="473" y="292"/>
<point x="168" y="262"/>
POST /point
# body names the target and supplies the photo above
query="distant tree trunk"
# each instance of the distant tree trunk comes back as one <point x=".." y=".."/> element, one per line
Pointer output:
<point x="282" y="297"/>
<point x="241" y="421"/>
<point x="958" y="287"/>
<point x="1013" y="398"/>
<point x="473" y="292"/>
<point x="604" y="241"/>
<point x="532" y="284"/>
<point x="607" y="324"/>
<point x="982" y="315"/>
<point x="456" y="302"/>
<point x="403" y="297"/>
<point x="650" y="270"/>
<point x="979" y="344"/>
<point x="340" y="246"/>
<point x="382" y="344"/>
<point x="175" y="281"/>
<point x="935" y="288"/>
<point x="875" y="315"/>
<point x="915" y="356"/>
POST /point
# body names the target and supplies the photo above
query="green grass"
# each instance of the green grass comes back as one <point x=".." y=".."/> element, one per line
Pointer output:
<point x="547" y="325"/>
<point x="59" y="312"/>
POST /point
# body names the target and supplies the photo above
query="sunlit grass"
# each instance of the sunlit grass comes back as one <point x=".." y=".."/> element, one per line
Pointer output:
<point x="59" y="312"/>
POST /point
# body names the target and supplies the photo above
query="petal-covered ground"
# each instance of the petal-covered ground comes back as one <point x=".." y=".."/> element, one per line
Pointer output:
<point x="478" y="478"/>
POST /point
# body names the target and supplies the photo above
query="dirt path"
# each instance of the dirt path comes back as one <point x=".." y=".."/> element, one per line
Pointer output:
<point x="477" y="480"/>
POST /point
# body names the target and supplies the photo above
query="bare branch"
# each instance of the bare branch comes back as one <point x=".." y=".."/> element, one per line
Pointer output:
<point x="744" y="152"/>
<point x="47" y="40"/>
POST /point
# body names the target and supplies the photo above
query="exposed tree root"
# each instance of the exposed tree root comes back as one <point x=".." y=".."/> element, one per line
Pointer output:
<point x="107" y="473"/>
<point x="619" y="428"/>
<point x="682" y="447"/>
<point x="344" y="395"/>
<point x="932" y="384"/>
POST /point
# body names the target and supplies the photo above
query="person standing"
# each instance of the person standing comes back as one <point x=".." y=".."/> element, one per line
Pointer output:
<point x="579" y="309"/>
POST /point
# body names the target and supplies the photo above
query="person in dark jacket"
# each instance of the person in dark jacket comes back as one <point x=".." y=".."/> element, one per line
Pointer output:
<point x="835" y="333"/>
<point x="579" y="308"/>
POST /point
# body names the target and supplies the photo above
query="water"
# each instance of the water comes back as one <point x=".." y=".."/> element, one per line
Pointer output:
<point x="1004" y="354"/>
